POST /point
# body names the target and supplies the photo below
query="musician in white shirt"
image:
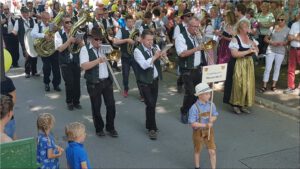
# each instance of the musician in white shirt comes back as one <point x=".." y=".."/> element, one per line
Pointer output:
<point x="21" y="26"/>
<point x="50" y="63"/>
<point x="99" y="83"/>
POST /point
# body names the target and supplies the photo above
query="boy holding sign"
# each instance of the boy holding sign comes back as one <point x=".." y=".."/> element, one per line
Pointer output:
<point x="201" y="118"/>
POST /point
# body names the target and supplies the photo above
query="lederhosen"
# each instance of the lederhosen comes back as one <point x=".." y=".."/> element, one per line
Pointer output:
<point x="200" y="135"/>
<point x="10" y="41"/>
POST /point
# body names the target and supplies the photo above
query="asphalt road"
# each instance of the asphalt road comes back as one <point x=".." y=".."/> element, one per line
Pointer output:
<point x="263" y="139"/>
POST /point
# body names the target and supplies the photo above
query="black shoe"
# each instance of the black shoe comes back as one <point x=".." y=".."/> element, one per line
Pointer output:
<point x="70" y="107"/>
<point x="184" y="119"/>
<point x="78" y="106"/>
<point x="100" y="133"/>
<point x="47" y="87"/>
<point x="36" y="74"/>
<point x="113" y="133"/>
<point x="57" y="88"/>
<point x="152" y="135"/>
<point x="27" y="76"/>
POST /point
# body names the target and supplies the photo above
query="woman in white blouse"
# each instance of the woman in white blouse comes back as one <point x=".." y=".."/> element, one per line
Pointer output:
<point x="239" y="89"/>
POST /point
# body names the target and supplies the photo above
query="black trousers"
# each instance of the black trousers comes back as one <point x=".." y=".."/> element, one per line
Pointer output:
<point x="30" y="62"/>
<point x="262" y="46"/>
<point x="150" y="93"/>
<point x="51" y="64"/>
<point x="96" y="90"/>
<point x="12" y="45"/>
<point x="190" y="79"/>
<point x="71" y="75"/>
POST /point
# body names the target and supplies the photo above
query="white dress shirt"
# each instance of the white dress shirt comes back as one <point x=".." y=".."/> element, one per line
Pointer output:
<point x="145" y="64"/>
<point x="295" y="29"/>
<point x="84" y="57"/>
<point x="180" y="45"/>
<point x="119" y="33"/>
<point x="35" y="31"/>
<point x="26" y="25"/>
<point x="177" y="30"/>
<point x="58" y="41"/>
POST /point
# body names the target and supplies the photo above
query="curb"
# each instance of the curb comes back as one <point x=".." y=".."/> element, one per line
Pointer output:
<point x="279" y="107"/>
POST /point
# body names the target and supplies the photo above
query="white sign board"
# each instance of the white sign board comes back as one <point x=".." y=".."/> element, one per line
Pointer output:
<point x="214" y="73"/>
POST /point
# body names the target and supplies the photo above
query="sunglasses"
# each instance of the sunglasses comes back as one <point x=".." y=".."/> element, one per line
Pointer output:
<point x="280" y="20"/>
<point x="68" y="22"/>
<point x="6" y="9"/>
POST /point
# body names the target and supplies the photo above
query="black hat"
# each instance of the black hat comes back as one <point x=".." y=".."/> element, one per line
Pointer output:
<point x="24" y="9"/>
<point x="187" y="12"/>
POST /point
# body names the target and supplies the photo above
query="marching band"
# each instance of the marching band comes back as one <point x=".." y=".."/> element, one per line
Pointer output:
<point x="71" y="36"/>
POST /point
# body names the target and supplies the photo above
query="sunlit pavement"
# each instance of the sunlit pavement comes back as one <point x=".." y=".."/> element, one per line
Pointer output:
<point x="263" y="139"/>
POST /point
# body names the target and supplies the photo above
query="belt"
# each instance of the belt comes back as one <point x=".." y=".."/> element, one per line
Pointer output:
<point x="103" y="79"/>
<point x="296" y="48"/>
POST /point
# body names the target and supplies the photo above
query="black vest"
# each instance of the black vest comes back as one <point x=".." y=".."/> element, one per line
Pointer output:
<point x="21" y="31"/>
<point x="64" y="56"/>
<point x="181" y="28"/>
<point x="92" y="75"/>
<point x="104" y="22"/>
<point x="188" y="62"/>
<point x="146" y="76"/>
<point x="123" y="47"/>
<point x="40" y="27"/>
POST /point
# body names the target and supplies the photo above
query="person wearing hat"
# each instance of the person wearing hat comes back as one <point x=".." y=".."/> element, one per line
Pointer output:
<point x="21" y="26"/>
<point x="201" y="118"/>
<point x="190" y="61"/>
<point x="99" y="83"/>
<point x="180" y="28"/>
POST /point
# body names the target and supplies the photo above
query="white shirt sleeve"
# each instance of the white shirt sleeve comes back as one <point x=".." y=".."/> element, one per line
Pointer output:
<point x="180" y="44"/>
<point x="119" y="34"/>
<point x="140" y="59"/>
<point x="16" y="27"/>
<point x="83" y="55"/>
<point x="57" y="40"/>
<point x="141" y="29"/>
<point x="35" y="32"/>
<point x="176" y="32"/>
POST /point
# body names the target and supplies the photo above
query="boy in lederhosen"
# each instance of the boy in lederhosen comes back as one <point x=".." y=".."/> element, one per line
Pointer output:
<point x="201" y="121"/>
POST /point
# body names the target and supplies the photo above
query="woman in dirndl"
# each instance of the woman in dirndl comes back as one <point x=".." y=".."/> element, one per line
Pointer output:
<point x="239" y="90"/>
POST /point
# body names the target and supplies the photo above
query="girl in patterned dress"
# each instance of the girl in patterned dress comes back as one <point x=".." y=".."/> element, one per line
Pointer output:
<point x="47" y="151"/>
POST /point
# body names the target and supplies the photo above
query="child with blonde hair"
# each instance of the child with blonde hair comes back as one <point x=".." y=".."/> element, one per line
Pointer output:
<point x="75" y="153"/>
<point x="47" y="151"/>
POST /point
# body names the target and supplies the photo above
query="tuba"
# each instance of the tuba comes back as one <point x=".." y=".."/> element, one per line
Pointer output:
<point x="134" y="36"/>
<point x="85" y="17"/>
<point x="43" y="47"/>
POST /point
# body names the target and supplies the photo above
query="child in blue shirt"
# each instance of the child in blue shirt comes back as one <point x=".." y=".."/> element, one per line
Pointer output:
<point x="47" y="151"/>
<point x="76" y="155"/>
<point x="201" y="121"/>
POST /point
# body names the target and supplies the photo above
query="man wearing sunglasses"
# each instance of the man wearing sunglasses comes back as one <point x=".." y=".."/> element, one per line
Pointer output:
<point x="69" y="63"/>
<point x="99" y="83"/>
<point x="191" y="60"/>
